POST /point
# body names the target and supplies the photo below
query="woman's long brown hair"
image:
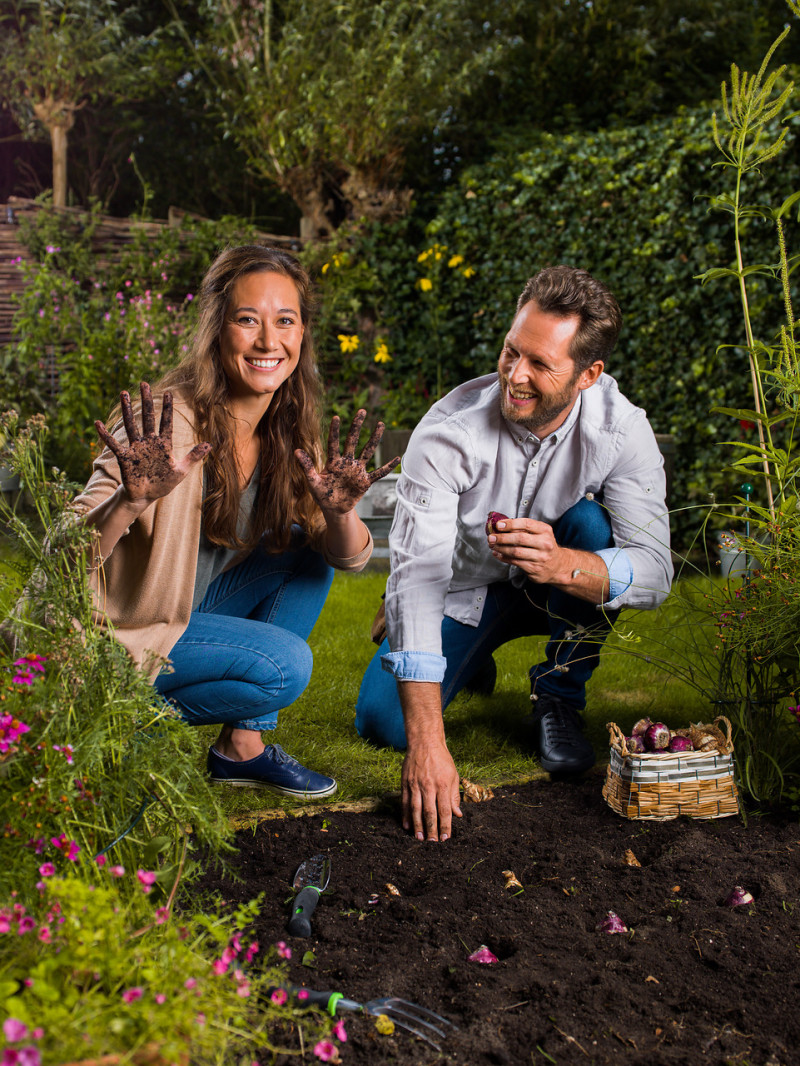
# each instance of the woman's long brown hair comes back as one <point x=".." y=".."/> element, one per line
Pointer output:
<point x="292" y="420"/>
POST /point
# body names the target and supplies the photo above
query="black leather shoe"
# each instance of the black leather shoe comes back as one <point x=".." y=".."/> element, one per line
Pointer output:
<point x="484" y="679"/>
<point x="557" y="733"/>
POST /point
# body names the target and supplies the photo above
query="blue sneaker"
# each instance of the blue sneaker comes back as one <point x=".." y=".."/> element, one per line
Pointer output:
<point x="273" y="769"/>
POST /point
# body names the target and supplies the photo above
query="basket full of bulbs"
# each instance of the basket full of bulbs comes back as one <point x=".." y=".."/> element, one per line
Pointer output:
<point x="660" y="773"/>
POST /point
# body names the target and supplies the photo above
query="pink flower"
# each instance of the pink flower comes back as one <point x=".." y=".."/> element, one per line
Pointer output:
<point x="160" y="998"/>
<point x="117" y="871"/>
<point x="47" y="869"/>
<point x="243" y="990"/>
<point x="101" y="860"/>
<point x="25" y="925"/>
<point x="200" y="1018"/>
<point x="302" y="993"/>
<point x="190" y="982"/>
<point x="74" y="851"/>
<point x="130" y="995"/>
<point x="279" y="997"/>
<point x="236" y="944"/>
<point x="189" y="296"/>
<point x="5" y="923"/>
<point x="29" y="1056"/>
<point x="58" y="842"/>
<point x="339" y="1031"/>
<point x="326" y="1051"/>
<point x="283" y="951"/>
<point x="251" y="952"/>
<point x="219" y="966"/>
<point x="14" y="1030"/>
<point x="45" y="935"/>
<point x="162" y="915"/>
<point x="147" y="878"/>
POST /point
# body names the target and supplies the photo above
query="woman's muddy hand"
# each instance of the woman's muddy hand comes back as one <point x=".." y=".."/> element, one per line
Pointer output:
<point x="147" y="466"/>
<point x="344" y="480"/>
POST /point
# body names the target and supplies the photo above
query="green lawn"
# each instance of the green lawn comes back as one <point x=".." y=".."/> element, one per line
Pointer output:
<point x="482" y="731"/>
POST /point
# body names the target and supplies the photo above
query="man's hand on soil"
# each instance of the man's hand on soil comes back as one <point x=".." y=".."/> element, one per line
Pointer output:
<point x="430" y="795"/>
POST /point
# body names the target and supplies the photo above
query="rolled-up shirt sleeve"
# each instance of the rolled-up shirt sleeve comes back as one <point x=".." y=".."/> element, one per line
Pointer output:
<point x="421" y="542"/>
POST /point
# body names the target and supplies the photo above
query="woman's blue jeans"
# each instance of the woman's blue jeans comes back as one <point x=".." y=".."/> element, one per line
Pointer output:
<point x="576" y="629"/>
<point x="244" y="654"/>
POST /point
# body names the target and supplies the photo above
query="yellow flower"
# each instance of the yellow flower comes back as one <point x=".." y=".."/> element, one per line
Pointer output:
<point x="468" y="272"/>
<point x="382" y="353"/>
<point x="348" y="342"/>
<point x="424" y="255"/>
<point x="325" y="268"/>
<point x="425" y="284"/>
<point x="455" y="260"/>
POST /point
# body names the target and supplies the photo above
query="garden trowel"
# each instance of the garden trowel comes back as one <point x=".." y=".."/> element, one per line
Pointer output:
<point x="309" y="883"/>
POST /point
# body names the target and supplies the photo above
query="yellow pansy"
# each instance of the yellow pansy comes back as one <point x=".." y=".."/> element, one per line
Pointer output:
<point x="425" y="284"/>
<point x="348" y="342"/>
<point x="455" y="260"/>
<point x="382" y="353"/>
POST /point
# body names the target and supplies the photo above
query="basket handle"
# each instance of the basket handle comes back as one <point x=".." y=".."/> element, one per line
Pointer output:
<point x="618" y="738"/>
<point x="728" y="742"/>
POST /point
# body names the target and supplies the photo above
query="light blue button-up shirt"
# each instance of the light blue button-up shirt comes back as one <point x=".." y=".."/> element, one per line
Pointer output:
<point x="465" y="459"/>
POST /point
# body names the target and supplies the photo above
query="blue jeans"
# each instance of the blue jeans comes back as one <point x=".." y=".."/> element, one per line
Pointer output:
<point x="509" y="612"/>
<point x="244" y="654"/>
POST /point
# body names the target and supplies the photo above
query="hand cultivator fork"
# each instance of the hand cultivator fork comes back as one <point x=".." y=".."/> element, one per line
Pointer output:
<point x="418" y="1020"/>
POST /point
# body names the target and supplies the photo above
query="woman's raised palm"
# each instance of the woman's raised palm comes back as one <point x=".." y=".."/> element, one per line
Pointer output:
<point x="147" y="466"/>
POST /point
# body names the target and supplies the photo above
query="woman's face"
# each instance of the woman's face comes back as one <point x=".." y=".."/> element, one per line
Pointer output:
<point x="261" y="335"/>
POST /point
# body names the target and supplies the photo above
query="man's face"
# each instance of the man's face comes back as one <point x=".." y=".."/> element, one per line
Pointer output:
<point x="539" y="382"/>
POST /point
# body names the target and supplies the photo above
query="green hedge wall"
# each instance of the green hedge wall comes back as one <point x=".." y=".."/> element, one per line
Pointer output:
<point x="631" y="206"/>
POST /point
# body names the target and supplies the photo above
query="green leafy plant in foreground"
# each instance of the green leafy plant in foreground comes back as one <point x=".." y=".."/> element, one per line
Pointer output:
<point x="757" y="617"/>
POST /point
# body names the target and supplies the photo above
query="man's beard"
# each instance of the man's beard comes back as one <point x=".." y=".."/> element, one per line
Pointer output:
<point x="547" y="408"/>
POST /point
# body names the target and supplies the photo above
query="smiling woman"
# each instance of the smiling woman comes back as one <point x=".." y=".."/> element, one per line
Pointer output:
<point x="217" y="534"/>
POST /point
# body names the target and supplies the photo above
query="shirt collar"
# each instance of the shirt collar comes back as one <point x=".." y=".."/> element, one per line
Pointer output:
<point x="522" y="435"/>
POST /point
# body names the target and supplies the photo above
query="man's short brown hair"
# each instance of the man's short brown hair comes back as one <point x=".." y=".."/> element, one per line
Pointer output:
<point x="566" y="291"/>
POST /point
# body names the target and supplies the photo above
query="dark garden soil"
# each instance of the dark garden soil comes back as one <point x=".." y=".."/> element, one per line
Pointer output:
<point x="693" y="981"/>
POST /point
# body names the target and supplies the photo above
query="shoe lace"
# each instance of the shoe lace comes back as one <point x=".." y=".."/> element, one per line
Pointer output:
<point x="562" y="723"/>
<point x="277" y="754"/>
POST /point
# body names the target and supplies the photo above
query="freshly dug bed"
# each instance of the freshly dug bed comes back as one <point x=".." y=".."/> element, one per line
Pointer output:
<point x="692" y="982"/>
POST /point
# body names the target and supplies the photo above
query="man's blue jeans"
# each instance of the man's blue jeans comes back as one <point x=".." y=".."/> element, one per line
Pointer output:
<point x="576" y="628"/>
<point x="244" y="654"/>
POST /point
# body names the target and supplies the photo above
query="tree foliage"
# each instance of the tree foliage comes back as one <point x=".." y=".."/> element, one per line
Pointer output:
<point x="325" y="96"/>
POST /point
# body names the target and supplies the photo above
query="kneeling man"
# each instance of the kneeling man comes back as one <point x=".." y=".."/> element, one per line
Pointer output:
<point x="551" y="442"/>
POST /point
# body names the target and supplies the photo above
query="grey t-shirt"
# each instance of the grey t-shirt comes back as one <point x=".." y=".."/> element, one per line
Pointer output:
<point x="211" y="558"/>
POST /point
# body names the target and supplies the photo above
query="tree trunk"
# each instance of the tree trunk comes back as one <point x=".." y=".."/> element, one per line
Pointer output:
<point x="58" y="140"/>
<point x="58" y="118"/>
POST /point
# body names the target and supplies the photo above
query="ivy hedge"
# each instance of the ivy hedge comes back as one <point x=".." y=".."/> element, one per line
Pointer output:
<point x="428" y="306"/>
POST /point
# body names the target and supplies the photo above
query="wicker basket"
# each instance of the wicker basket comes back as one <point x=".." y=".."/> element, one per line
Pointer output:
<point x="698" y="784"/>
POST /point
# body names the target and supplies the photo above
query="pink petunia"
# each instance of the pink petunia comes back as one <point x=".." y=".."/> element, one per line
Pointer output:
<point x="47" y="869"/>
<point x="25" y="925"/>
<point x="29" y="1056"/>
<point x="283" y="951"/>
<point x="219" y="966"/>
<point x="101" y="860"/>
<point x="251" y="952"/>
<point x="45" y="935"/>
<point x="160" y="998"/>
<point x="279" y="997"/>
<point x="130" y="995"/>
<point x="162" y="915"/>
<point x="147" y="879"/>
<point x="190" y="982"/>
<point x="326" y="1051"/>
<point x="5" y="923"/>
<point x="117" y="871"/>
<point x="340" y="1032"/>
<point x="14" y="1030"/>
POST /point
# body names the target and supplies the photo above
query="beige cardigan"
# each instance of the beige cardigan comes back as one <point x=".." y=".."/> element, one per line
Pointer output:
<point x="144" y="588"/>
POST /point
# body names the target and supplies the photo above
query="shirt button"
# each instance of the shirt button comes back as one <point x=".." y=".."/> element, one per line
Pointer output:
<point x="525" y="501"/>
<point x="480" y="599"/>
<point x="534" y="462"/>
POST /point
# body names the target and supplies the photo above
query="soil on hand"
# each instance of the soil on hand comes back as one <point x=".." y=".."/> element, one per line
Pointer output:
<point x="692" y="982"/>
